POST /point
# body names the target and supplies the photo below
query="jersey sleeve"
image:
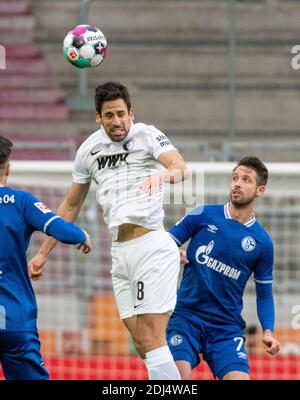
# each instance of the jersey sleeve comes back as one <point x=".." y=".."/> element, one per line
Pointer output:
<point x="263" y="271"/>
<point x="65" y="232"/>
<point x="158" y="142"/>
<point x="80" y="173"/>
<point x="186" y="228"/>
<point x="37" y="214"/>
<point x="265" y="306"/>
<point x="41" y="218"/>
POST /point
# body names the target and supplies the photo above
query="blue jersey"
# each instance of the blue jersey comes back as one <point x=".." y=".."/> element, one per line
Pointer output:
<point x="222" y="255"/>
<point x="20" y="215"/>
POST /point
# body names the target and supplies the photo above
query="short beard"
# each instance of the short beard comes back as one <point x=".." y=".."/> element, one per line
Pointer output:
<point x="242" y="203"/>
<point x="118" y="140"/>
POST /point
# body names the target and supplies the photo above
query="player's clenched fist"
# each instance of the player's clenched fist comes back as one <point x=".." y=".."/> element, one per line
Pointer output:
<point x="271" y="345"/>
<point x="85" y="246"/>
<point x="35" y="266"/>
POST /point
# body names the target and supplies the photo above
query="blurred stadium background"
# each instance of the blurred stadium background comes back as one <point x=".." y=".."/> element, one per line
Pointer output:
<point x="214" y="75"/>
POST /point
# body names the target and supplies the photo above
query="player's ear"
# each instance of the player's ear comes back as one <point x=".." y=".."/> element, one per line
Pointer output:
<point x="260" y="191"/>
<point x="98" y="118"/>
<point x="7" y="172"/>
<point x="131" y="114"/>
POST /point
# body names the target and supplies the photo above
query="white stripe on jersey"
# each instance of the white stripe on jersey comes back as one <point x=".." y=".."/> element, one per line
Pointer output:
<point x="228" y="216"/>
<point x="265" y="282"/>
<point x="49" y="222"/>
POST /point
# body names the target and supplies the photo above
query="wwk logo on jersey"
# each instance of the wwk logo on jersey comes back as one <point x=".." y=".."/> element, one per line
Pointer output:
<point x="203" y="258"/>
<point x="112" y="161"/>
<point x="248" y="243"/>
<point x="42" y="207"/>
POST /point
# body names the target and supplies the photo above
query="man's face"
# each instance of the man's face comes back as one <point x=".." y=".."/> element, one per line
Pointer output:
<point x="116" y="119"/>
<point x="243" y="187"/>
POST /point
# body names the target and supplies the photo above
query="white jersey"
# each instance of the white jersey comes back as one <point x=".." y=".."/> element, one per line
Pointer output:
<point x="118" y="169"/>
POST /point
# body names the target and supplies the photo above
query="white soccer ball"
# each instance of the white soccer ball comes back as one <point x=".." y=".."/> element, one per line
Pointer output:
<point x="85" y="46"/>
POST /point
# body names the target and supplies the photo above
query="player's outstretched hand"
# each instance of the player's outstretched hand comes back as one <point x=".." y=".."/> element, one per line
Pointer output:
<point x="271" y="345"/>
<point x="183" y="259"/>
<point x="153" y="183"/>
<point x="35" y="266"/>
<point x="86" y="246"/>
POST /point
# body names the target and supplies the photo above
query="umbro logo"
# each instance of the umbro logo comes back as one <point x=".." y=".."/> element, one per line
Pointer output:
<point x="212" y="228"/>
<point x="241" y="354"/>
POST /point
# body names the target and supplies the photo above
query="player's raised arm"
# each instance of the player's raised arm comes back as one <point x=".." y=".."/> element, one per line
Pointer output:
<point x="162" y="150"/>
<point x="176" y="169"/>
<point x="68" y="210"/>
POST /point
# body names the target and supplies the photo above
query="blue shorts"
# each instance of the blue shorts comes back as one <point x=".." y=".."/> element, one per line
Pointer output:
<point x="20" y="356"/>
<point x="222" y="346"/>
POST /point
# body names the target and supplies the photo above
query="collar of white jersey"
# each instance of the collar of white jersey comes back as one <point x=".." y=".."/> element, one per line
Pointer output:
<point x="107" y="139"/>
<point x="228" y="216"/>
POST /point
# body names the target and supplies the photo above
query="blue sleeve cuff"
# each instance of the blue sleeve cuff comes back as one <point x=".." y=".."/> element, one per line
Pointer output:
<point x="65" y="232"/>
<point x="265" y="305"/>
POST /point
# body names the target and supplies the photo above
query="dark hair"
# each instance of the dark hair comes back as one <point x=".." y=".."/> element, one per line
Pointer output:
<point x="259" y="167"/>
<point x="111" y="91"/>
<point x="5" y="150"/>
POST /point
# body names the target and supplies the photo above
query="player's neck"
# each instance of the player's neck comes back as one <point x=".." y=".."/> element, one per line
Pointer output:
<point x="242" y="215"/>
<point x="4" y="172"/>
<point x="2" y="180"/>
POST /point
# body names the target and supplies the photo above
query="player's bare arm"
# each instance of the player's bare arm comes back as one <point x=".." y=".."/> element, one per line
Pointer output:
<point x="68" y="210"/>
<point x="175" y="171"/>
<point x="35" y="266"/>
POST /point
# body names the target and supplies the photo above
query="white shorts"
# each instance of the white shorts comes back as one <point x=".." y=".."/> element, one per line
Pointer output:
<point x="145" y="274"/>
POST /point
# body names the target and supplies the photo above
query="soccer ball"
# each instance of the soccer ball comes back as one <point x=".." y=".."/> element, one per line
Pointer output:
<point x="85" y="46"/>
